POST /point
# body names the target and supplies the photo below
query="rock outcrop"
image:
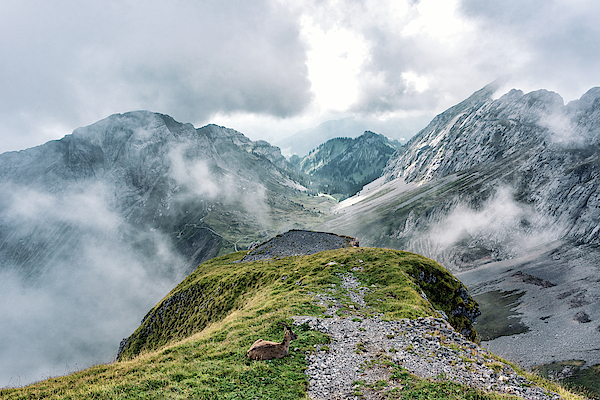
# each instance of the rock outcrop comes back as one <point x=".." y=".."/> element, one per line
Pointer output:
<point x="299" y="243"/>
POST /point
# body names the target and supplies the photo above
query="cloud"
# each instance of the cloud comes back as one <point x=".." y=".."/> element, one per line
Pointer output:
<point x="457" y="47"/>
<point x="203" y="178"/>
<point x="76" y="279"/>
<point x="84" y="207"/>
<point x="499" y="227"/>
<point x="558" y="40"/>
<point x="67" y="63"/>
<point x="77" y="63"/>
<point x="195" y="175"/>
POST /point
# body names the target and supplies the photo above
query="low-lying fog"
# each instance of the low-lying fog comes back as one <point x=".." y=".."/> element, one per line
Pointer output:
<point x="72" y="284"/>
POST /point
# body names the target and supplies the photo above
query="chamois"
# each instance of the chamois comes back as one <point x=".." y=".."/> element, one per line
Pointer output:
<point x="265" y="350"/>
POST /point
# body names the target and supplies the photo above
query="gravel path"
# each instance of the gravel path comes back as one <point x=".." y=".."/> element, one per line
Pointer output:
<point x="427" y="347"/>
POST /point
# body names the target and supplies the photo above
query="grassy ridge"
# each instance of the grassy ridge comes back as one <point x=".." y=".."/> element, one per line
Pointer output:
<point x="197" y="347"/>
<point x="223" y="284"/>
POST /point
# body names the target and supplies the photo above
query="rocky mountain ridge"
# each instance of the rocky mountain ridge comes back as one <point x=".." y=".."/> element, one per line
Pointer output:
<point x="551" y="148"/>
<point x="191" y="305"/>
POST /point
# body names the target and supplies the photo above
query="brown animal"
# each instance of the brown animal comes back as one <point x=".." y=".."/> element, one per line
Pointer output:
<point x="265" y="350"/>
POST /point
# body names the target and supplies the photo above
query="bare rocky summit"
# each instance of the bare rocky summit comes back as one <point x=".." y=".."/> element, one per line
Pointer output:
<point x="299" y="243"/>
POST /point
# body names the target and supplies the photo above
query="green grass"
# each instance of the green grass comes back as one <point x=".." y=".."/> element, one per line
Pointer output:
<point x="585" y="381"/>
<point x="403" y="385"/>
<point x="223" y="284"/>
<point x="193" y="344"/>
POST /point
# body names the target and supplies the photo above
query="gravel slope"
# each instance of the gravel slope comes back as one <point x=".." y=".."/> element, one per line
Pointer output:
<point x="426" y="347"/>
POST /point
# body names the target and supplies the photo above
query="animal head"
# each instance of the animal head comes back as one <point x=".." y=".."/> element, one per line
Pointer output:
<point x="288" y="331"/>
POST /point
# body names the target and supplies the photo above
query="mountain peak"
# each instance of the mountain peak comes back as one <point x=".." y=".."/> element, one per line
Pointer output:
<point x="343" y="165"/>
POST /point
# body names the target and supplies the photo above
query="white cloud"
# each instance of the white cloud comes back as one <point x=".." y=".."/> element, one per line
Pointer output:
<point x="334" y="58"/>
<point x="211" y="180"/>
<point x="439" y="20"/>
<point x="194" y="175"/>
<point x="84" y="285"/>
<point x="500" y="224"/>
<point x="419" y="83"/>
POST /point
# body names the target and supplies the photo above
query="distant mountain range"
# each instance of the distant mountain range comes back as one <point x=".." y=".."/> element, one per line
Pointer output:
<point x="306" y="140"/>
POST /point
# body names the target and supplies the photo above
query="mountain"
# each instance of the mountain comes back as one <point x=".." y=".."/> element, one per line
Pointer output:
<point x="97" y="226"/>
<point x="344" y="165"/>
<point x="504" y="192"/>
<point x="306" y="140"/>
<point x="551" y="152"/>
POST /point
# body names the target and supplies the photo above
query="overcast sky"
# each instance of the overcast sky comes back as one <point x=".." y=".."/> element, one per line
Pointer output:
<point x="269" y="68"/>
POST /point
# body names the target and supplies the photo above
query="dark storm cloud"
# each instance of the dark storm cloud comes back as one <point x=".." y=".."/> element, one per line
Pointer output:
<point x="72" y="63"/>
<point x="461" y="47"/>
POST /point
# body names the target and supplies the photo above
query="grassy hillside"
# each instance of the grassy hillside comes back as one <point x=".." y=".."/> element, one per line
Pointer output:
<point x="193" y="343"/>
<point x="221" y="285"/>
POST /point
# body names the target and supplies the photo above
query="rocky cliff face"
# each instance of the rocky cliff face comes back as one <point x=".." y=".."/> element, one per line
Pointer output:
<point x="549" y="153"/>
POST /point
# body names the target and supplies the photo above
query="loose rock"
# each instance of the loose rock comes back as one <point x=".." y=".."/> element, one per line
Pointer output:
<point x="426" y="347"/>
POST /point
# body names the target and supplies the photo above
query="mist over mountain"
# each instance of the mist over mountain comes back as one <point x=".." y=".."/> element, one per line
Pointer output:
<point x="503" y="191"/>
<point x="98" y="226"/>
<point x="343" y="165"/>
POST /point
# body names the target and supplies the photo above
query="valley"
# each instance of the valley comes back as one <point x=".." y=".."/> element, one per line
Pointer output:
<point x="501" y="191"/>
